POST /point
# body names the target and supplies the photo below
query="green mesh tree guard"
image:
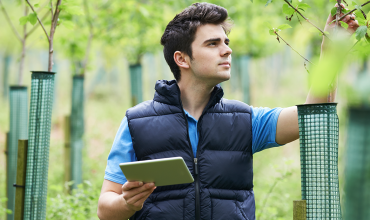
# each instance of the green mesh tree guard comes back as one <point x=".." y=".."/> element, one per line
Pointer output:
<point x="77" y="129"/>
<point x="6" y="65"/>
<point x="18" y="129"/>
<point x="235" y="70"/>
<point x="136" y="84"/>
<point x="42" y="88"/>
<point x="318" y="135"/>
<point x="244" y="72"/>
<point x="357" y="170"/>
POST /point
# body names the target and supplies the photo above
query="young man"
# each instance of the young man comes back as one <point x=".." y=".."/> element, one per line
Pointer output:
<point x="189" y="118"/>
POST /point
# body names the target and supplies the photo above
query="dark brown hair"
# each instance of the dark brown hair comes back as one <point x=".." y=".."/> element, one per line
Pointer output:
<point x="180" y="32"/>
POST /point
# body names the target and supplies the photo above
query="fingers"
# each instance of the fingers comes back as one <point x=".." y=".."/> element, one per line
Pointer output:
<point x="136" y="196"/>
<point x="140" y="198"/>
<point x="130" y="185"/>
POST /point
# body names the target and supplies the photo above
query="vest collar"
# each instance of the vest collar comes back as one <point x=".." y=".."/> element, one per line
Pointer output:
<point x="168" y="92"/>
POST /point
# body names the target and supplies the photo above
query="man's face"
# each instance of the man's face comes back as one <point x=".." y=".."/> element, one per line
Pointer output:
<point x="211" y="54"/>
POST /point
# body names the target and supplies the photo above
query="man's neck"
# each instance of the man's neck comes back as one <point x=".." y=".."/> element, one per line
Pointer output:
<point x="194" y="97"/>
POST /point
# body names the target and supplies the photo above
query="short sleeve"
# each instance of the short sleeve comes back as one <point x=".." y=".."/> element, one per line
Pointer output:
<point x="122" y="151"/>
<point x="264" y="121"/>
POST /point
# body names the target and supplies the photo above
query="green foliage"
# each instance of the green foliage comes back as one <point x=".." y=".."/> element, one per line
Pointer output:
<point x="4" y="210"/>
<point x="272" y="30"/>
<point x="32" y="18"/>
<point x="71" y="7"/>
<point x="344" y="25"/>
<point x="288" y="10"/>
<point x="81" y="204"/>
<point x="360" y="32"/>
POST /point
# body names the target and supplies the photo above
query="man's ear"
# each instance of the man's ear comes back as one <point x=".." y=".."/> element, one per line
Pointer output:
<point x="181" y="59"/>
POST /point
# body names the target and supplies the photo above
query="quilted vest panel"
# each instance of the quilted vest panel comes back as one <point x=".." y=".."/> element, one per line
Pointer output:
<point x="159" y="129"/>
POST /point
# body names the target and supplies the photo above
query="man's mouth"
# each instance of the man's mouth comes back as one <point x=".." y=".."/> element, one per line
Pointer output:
<point x="226" y="64"/>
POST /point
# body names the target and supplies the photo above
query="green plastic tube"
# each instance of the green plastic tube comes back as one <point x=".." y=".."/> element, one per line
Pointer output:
<point x="318" y="135"/>
<point x="357" y="168"/>
<point x="42" y="88"/>
<point x="77" y="129"/>
<point x="136" y="84"/>
<point x="18" y="99"/>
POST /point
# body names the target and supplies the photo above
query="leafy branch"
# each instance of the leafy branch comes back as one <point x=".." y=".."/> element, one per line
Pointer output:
<point x="40" y="22"/>
<point x="353" y="10"/>
<point x="274" y="31"/>
<point x="298" y="12"/>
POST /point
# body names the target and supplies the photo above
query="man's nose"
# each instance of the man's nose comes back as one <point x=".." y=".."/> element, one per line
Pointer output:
<point x="226" y="50"/>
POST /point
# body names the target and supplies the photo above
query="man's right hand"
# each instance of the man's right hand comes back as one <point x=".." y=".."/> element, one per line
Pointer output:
<point x="135" y="194"/>
<point x="119" y="201"/>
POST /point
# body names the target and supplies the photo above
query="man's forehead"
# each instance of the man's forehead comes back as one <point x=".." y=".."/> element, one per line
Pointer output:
<point x="208" y="31"/>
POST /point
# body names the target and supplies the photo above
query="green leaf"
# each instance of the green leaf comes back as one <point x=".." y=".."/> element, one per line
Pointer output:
<point x="36" y="5"/>
<point x="288" y="10"/>
<point x="333" y="11"/>
<point x="271" y="32"/>
<point x="360" y="18"/>
<point x="268" y="2"/>
<point x="358" y="7"/>
<point x="252" y="1"/>
<point x="344" y="24"/>
<point x="284" y="26"/>
<point x="71" y="9"/>
<point x="267" y="24"/>
<point x="360" y="32"/>
<point x="23" y="20"/>
<point x="32" y="18"/>
<point x="144" y="11"/>
<point x="67" y="24"/>
<point x="303" y="6"/>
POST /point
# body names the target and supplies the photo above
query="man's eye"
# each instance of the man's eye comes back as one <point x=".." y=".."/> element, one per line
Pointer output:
<point x="212" y="44"/>
<point x="227" y="43"/>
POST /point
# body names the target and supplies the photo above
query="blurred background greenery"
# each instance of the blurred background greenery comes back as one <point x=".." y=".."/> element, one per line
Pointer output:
<point x="128" y="32"/>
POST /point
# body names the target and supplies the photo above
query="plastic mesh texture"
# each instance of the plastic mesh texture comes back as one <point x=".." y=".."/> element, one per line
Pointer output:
<point x="77" y="130"/>
<point x="357" y="168"/>
<point x="136" y="84"/>
<point x="244" y="72"/>
<point x="42" y="88"/>
<point x="18" y="99"/>
<point x="318" y="134"/>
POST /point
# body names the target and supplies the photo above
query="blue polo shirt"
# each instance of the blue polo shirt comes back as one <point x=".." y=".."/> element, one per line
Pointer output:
<point x="264" y="121"/>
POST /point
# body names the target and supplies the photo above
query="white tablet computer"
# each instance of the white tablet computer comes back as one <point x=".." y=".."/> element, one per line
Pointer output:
<point x="163" y="172"/>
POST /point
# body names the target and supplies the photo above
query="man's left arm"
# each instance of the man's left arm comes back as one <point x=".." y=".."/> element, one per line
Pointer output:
<point x="287" y="129"/>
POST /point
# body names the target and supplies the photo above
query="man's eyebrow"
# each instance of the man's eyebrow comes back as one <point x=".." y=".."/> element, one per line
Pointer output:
<point x="215" y="39"/>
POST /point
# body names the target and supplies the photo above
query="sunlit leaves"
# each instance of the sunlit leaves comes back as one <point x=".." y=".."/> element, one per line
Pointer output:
<point x="284" y="26"/>
<point x="360" y="18"/>
<point x="71" y="7"/>
<point x="344" y="24"/>
<point x="303" y="6"/>
<point x="360" y="32"/>
<point x="288" y="10"/>
<point x="272" y="30"/>
<point x="32" y="18"/>
<point x="68" y="24"/>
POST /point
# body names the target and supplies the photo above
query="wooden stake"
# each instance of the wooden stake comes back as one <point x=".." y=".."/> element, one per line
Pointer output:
<point x="299" y="210"/>
<point x="21" y="179"/>
<point x="67" y="152"/>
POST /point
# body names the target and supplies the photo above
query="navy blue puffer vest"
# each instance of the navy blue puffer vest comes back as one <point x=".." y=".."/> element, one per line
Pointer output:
<point x="223" y="169"/>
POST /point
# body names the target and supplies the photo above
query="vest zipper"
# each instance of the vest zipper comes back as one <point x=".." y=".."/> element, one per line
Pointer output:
<point x="197" y="196"/>
<point x="196" y="177"/>
<point x="196" y="180"/>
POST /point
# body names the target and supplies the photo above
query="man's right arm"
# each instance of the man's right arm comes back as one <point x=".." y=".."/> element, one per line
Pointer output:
<point x="119" y="201"/>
